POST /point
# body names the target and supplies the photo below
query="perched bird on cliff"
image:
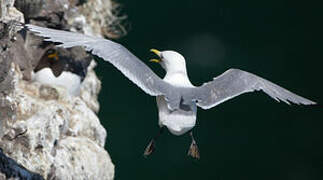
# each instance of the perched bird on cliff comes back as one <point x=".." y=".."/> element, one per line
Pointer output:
<point x="54" y="69"/>
<point x="177" y="98"/>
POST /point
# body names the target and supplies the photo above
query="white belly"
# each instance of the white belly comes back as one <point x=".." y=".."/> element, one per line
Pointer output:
<point x="178" y="122"/>
<point x="70" y="81"/>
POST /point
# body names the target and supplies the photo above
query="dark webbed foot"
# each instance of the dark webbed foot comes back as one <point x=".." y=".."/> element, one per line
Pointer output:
<point x="150" y="148"/>
<point x="194" y="150"/>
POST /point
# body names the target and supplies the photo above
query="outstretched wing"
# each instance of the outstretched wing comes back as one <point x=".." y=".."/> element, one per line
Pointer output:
<point x="234" y="82"/>
<point x="228" y="85"/>
<point x="116" y="54"/>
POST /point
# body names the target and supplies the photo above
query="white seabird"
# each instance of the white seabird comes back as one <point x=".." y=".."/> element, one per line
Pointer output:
<point x="177" y="98"/>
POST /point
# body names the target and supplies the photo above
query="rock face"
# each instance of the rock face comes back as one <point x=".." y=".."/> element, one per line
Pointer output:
<point x="52" y="133"/>
<point x="8" y="12"/>
<point x="43" y="128"/>
<point x="11" y="169"/>
<point x="91" y="17"/>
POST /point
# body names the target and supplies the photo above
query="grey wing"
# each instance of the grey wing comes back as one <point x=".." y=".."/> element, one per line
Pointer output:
<point x="116" y="54"/>
<point x="234" y="82"/>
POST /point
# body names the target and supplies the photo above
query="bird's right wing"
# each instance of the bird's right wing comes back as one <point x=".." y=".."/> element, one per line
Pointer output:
<point x="133" y="68"/>
<point x="234" y="82"/>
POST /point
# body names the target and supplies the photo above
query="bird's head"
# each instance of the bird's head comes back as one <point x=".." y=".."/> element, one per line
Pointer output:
<point x="171" y="61"/>
<point x="51" y="55"/>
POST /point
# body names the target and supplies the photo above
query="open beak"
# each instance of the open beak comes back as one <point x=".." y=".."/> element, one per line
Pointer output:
<point x="155" y="51"/>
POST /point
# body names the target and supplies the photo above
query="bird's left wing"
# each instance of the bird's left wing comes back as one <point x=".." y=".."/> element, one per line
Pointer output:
<point x="132" y="67"/>
<point x="234" y="82"/>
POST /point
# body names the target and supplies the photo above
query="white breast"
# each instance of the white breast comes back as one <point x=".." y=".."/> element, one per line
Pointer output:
<point x="68" y="80"/>
<point x="179" y="121"/>
<point x="178" y="79"/>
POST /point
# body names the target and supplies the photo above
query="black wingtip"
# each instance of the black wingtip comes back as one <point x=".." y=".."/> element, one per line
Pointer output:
<point x="14" y="23"/>
<point x="10" y="27"/>
<point x="25" y="27"/>
<point x="312" y="105"/>
<point x="316" y="105"/>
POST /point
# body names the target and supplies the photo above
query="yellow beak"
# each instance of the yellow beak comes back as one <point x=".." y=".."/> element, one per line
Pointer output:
<point x="155" y="60"/>
<point x="157" y="53"/>
<point x="54" y="56"/>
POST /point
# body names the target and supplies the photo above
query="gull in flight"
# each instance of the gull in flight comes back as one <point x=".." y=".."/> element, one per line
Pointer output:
<point x="177" y="98"/>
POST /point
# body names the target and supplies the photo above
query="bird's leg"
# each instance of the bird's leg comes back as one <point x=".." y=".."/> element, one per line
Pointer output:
<point x="194" y="150"/>
<point x="151" y="146"/>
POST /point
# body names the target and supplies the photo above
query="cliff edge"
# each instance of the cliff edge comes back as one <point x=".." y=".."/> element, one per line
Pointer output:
<point x="42" y="127"/>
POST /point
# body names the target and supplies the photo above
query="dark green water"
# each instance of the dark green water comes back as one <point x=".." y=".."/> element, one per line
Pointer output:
<point x="249" y="137"/>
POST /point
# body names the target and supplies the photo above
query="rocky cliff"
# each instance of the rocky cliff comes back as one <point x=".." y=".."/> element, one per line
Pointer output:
<point x="42" y="127"/>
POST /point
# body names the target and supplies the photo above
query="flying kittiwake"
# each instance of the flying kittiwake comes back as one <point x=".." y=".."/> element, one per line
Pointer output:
<point x="177" y="98"/>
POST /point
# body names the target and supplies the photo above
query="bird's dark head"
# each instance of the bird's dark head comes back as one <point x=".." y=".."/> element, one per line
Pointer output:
<point x="49" y="59"/>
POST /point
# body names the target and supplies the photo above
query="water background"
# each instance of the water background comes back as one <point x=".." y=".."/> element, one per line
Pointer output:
<point x="249" y="137"/>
